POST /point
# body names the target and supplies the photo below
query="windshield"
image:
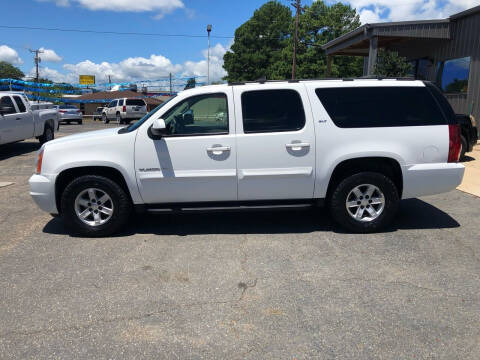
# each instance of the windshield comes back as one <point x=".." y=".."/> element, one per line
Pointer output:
<point x="139" y="123"/>
<point x="67" y="107"/>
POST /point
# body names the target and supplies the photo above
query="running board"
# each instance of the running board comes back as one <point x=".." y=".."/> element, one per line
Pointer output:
<point x="198" y="208"/>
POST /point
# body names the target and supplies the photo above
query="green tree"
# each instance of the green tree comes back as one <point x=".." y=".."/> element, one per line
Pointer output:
<point x="318" y="25"/>
<point x="390" y="64"/>
<point x="191" y="83"/>
<point x="259" y="43"/>
<point x="8" y="71"/>
<point x="263" y="46"/>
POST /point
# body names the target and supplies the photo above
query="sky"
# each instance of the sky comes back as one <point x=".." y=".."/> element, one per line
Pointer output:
<point x="131" y="57"/>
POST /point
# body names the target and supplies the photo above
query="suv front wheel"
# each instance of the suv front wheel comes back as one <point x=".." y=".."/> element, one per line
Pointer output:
<point x="94" y="205"/>
<point x="364" y="202"/>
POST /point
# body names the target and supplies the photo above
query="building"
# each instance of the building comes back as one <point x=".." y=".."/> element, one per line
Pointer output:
<point x="446" y="51"/>
<point x="94" y="100"/>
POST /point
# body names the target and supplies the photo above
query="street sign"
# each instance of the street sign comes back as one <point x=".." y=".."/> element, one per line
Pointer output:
<point x="86" y="79"/>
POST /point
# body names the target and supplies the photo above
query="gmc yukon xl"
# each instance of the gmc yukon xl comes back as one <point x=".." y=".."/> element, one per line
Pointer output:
<point x="357" y="146"/>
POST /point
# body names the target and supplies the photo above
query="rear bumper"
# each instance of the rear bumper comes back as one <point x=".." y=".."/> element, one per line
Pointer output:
<point x="68" y="117"/>
<point x="42" y="190"/>
<point x="430" y="179"/>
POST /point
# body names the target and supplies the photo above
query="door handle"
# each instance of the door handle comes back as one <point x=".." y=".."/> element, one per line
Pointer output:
<point x="297" y="146"/>
<point x="218" y="150"/>
<point x="18" y="119"/>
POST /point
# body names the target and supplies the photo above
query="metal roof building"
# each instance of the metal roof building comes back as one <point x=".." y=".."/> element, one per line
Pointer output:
<point x="446" y="51"/>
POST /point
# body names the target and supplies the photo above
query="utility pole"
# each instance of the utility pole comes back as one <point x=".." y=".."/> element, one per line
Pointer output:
<point x="170" y="84"/>
<point x="109" y="83"/>
<point x="299" y="9"/>
<point x="37" y="61"/>
<point x="209" y="30"/>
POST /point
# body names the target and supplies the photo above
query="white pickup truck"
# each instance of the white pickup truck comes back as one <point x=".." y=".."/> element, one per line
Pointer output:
<point x="20" y="120"/>
<point x="357" y="146"/>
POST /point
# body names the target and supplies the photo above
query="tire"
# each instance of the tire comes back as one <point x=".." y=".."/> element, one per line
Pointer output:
<point x="80" y="122"/>
<point x="105" y="119"/>
<point x="347" y="190"/>
<point x="118" y="118"/>
<point x="72" y="199"/>
<point x="464" y="148"/>
<point x="47" y="135"/>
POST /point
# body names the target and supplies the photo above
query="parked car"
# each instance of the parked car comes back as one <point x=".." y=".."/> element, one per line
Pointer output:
<point x="469" y="133"/>
<point x="97" y="115"/>
<point x="124" y="110"/>
<point x="69" y="113"/>
<point x="358" y="146"/>
<point x="19" y="120"/>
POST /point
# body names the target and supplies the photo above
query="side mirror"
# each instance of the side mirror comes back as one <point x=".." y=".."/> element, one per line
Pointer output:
<point x="4" y="109"/>
<point x="158" y="129"/>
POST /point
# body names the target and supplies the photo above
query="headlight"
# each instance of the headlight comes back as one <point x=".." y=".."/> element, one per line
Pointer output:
<point x="472" y="119"/>
<point x="39" y="161"/>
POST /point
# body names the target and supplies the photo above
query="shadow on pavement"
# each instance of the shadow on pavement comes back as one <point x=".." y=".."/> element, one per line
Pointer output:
<point x="413" y="214"/>
<point x="20" y="148"/>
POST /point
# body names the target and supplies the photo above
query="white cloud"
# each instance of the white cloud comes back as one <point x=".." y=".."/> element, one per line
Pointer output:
<point x="50" y="55"/>
<point x="371" y="11"/>
<point x="140" y="68"/>
<point x="162" y="7"/>
<point x="9" y="55"/>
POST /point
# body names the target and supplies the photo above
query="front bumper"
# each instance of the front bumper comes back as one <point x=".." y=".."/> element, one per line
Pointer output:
<point x="430" y="179"/>
<point x="42" y="190"/>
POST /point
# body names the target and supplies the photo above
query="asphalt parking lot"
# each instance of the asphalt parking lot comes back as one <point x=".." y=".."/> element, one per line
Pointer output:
<point x="273" y="285"/>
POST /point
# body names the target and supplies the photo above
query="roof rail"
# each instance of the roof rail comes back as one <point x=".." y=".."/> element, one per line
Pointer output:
<point x="263" y="81"/>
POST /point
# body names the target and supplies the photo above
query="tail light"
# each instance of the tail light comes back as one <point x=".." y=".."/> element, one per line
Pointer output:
<point x="39" y="162"/>
<point x="124" y="109"/>
<point x="62" y="111"/>
<point x="454" y="143"/>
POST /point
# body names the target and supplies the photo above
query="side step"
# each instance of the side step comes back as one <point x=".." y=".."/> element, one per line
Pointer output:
<point x="228" y="207"/>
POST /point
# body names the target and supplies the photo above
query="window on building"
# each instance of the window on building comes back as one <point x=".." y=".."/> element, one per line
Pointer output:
<point x="198" y="115"/>
<point x="272" y="111"/>
<point x="380" y="106"/>
<point x="452" y="75"/>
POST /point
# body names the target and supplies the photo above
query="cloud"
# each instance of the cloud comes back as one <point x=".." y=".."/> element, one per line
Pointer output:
<point x="50" y="55"/>
<point x="372" y="11"/>
<point x="162" y="7"/>
<point x="140" y="68"/>
<point x="9" y="55"/>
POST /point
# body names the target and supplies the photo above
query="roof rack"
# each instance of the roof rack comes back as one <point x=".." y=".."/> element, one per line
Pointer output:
<point x="263" y="81"/>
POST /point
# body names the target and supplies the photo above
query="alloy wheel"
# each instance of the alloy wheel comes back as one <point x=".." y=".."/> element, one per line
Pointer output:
<point x="365" y="203"/>
<point x="94" y="207"/>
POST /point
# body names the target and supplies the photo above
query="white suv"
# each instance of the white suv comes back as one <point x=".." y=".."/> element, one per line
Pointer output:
<point x="358" y="146"/>
<point x="124" y="110"/>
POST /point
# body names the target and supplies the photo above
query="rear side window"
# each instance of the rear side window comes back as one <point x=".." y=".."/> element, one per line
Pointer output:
<point x="381" y="106"/>
<point x="136" y="102"/>
<point x="20" y="104"/>
<point x="7" y="102"/>
<point x="272" y="111"/>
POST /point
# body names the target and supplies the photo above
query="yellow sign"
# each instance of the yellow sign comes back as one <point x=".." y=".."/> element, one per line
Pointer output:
<point x="87" y="79"/>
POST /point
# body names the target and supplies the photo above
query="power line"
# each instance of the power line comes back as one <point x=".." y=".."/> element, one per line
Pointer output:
<point x="109" y="32"/>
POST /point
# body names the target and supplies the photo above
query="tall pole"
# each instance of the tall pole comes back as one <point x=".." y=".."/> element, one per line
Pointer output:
<point x="170" y="84"/>
<point x="298" y="9"/>
<point x="37" y="61"/>
<point x="209" y="29"/>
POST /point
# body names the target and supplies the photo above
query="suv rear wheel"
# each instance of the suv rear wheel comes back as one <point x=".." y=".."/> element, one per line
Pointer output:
<point x="364" y="202"/>
<point x="95" y="206"/>
<point x="119" y="118"/>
